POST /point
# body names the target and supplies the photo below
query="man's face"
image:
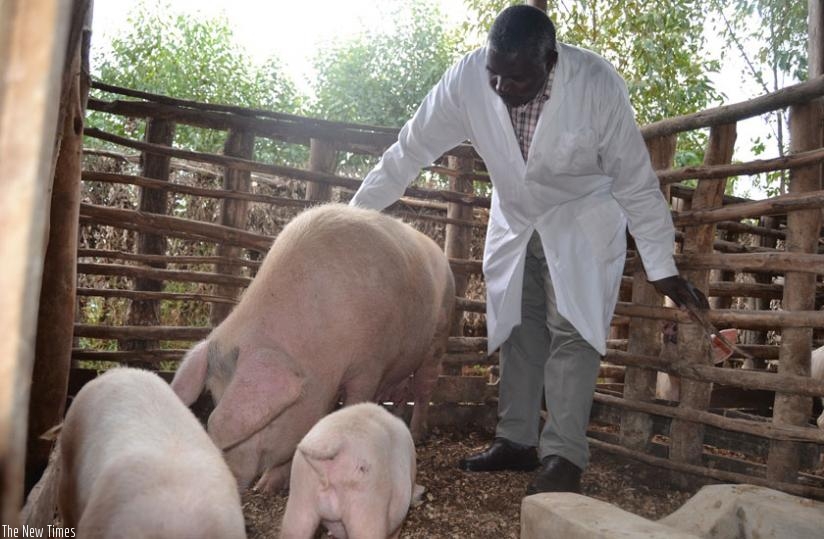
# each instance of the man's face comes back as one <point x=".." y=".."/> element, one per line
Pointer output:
<point x="517" y="77"/>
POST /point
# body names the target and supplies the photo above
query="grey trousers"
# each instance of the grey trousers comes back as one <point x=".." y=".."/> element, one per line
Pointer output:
<point x="545" y="356"/>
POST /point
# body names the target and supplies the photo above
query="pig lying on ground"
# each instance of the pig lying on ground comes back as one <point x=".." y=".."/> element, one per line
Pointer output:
<point x="347" y="304"/>
<point x="668" y="386"/>
<point x="354" y="472"/>
<point x="136" y="463"/>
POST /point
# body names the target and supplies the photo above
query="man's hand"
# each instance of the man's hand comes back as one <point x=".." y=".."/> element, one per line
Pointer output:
<point x="681" y="291"/>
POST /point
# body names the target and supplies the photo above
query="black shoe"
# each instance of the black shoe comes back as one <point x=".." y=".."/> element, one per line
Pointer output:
<point x="501" y="455"/>
<point x="557" y="474"/>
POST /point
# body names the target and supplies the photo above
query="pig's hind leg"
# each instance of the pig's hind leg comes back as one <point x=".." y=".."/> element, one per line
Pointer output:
<point x="424" y="381"/>
<point x="274" y="478"/>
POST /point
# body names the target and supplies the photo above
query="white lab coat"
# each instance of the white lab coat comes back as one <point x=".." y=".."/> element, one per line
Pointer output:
<point x="587" y="177"/>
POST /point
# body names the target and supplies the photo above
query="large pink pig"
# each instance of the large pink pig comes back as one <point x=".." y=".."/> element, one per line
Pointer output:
<point x="354" y="472"/>
<point x="135" y="462"/>
<point x="347" y="305"/>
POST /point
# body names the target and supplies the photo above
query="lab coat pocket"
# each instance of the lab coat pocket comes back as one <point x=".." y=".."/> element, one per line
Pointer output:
<point x="575" y="153"/>
<point x="604" y="226"/>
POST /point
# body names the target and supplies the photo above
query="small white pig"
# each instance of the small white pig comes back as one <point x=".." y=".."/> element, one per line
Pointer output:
<point x="817" y="373"/>
<point x="136" y="463"/>
<point x="353" y="472"/>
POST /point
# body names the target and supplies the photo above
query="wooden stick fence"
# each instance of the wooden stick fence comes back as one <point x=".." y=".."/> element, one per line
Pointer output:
<point x="458" y="210"/>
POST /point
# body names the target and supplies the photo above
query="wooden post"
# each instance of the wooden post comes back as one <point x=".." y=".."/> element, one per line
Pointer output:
<point x="323" y="157"/>
<point x="33" y="36"/>
<point x="458" y="240"/>
<point x="803" y="229"/>
<point x="687" y="438"/>
<point x="146" y="312"/>
<point x="233" y="213"/>
<point x="644" y="334"/>
<point x="55" y="321"/>
<point x="760" y="304"/>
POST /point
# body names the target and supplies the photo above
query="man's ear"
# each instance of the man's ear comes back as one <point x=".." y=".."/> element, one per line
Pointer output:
<point x="551" y="60"/>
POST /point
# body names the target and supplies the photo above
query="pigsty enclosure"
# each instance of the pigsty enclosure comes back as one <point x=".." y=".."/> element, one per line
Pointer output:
<point x="735" y="249"/>
<point x="163" y="234"/>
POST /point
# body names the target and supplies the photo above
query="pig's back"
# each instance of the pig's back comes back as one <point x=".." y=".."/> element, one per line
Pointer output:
<point x="127" y="427"/>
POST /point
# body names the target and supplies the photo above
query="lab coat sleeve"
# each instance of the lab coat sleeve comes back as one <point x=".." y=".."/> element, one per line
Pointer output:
<point x="625" y="158"/>
<point x="435" y="128"/>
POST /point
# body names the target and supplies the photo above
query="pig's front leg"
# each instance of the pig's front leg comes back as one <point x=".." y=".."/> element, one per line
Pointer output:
<point x="274" y="478"/>
<point x="299" y="522"/>
<point x="423" y="386"/>
<point x="369" y="520"/>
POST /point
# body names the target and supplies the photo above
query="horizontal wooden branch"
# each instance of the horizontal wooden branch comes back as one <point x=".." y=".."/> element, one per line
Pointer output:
<point x="758" y="166"/>
<point x="277" y="170"/>
<point x="153" y="333"/>
<point x="166" y="259"/>
<point x="762" y="261"/>
<point x="142" y="272"/>
<point x="220" y="194"/>
<point x="313" y="127"/>
<point x="470" y="305"/>
<point x="142" y="295"/>
<point x="727" y="318"/>
<point x="173" y="226"/>
<point x="400" y="209"/>
<point x="797" y="93"/>
<point x="756" y="428"/>
<point x="129" y="356"/>
<point x="718" y="475"/>
<point x="734" y="212"/>
<point x="744" y="378"/>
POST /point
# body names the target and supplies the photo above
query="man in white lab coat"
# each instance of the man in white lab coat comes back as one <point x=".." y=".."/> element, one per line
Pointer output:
<point x="570" y="172"/>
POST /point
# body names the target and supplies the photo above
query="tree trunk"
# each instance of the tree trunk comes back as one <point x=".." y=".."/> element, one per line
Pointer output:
<point x="687" y="438"/>
<point x="233" y="213"/>
<point x="146" y="312"/>
<point x="644" y="334"/>
<point x="458" y="241"/>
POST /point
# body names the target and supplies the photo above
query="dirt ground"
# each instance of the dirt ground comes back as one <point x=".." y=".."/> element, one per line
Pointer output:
<point x="458" y="504"/>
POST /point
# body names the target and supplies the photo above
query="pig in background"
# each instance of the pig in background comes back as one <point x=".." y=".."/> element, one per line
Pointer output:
<point x="136" y="463"/>
<point x="668" y="386"/>
<point x="347" y="304"/>
<point x="354" y="473"/>
<point x="817" y="373"/>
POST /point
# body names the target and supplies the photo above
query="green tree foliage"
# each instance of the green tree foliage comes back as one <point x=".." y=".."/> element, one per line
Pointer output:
<point x="187" y="57"/>
<point x="380" y="77"/>
<point x="770" y="36"/>
<point x="656" y="45"/>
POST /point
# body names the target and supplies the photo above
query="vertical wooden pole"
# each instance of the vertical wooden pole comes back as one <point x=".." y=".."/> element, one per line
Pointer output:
<point x="146" y="312"/>
<point x="803" y="229"/>
<point x="323" y="157"/>
<point x="33" y="37"/>
<point x="458" y="240"/>
<point x="644" y="334"/>
<point x="760" y="304"/>
<point x="233" y="213"/>
<point x="687" y="438"/>
<point x="55" y="320"/>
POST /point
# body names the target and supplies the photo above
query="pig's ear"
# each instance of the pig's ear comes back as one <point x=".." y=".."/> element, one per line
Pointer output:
<point x="266" y="382"/>
<point x="190" y="377"/>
